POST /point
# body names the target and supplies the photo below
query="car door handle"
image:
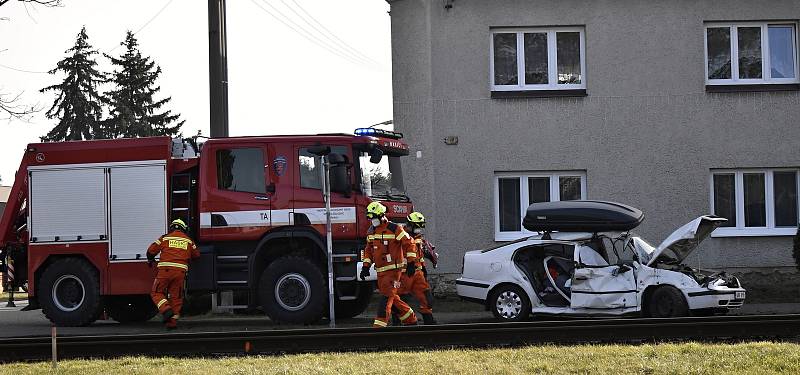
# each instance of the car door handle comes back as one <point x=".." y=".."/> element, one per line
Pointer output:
<point x="261" y="198"/>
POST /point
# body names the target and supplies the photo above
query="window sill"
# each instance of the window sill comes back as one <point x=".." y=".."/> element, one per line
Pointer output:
<point x="758" y="87"/>
<point x="539" y="93"/>
<point x="755" y="232"/>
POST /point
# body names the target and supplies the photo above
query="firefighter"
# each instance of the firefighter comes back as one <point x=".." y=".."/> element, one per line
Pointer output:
<point x="390" y="248"/>
<point x="414" y="282"/>
<point x="176" y="250"/>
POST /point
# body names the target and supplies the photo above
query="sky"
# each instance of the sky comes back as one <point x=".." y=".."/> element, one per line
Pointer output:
<point x="294" y="66"/>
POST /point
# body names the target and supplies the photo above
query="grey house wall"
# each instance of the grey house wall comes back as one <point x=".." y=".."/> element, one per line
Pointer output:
<point x="647" y="134"/>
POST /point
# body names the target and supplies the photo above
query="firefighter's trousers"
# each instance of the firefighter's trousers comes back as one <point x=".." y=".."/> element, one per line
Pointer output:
<point x="418" y="287"/>
<point x="390" y="301"/>
<point x="167" y="291"/>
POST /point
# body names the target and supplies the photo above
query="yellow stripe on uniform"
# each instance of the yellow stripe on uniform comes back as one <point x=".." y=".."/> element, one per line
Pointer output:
<point x="407" y="314"/>
<point x="176" y="239"/>
<point x="366" y="260"/>
<point x="158" y="242"/>
<point x="401" y="235"/>
<point x="411" y="254"/>
<point x="172" y="264"/>
<point x="161" y="303"/>
<point x="379" y="323"/>
<point x="386" y="268"/>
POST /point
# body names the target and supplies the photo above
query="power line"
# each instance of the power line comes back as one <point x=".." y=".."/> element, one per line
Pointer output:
<point x="288" y="22"/>
<point x="22" y="70"/>
<point x="148" y="22"/>
<point x="327" y="32"/>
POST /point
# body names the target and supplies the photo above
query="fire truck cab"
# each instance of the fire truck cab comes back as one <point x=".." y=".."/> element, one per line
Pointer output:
<point x="81" y="215"/>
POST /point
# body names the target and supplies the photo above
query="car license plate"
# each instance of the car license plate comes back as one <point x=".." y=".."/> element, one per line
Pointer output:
<point x="739" y="295"/>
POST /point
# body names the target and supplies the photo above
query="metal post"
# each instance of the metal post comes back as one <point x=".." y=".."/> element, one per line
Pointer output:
<point x="217" y="69"/>
<point x="326" y="191"/>
<point x="53" y="347"/>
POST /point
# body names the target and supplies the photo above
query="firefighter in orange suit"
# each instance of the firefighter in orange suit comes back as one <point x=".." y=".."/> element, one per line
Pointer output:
<point x="389" y="247"/>
<point x="176" y="249"/>
<point x="413" y="281"/>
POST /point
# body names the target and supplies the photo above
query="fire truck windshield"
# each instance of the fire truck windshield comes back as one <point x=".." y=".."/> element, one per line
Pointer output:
<point x="383" y="180"/>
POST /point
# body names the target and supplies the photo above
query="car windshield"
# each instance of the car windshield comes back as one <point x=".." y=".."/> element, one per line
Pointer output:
<point x="643" y="249"/>
<point x="383" y="180"/>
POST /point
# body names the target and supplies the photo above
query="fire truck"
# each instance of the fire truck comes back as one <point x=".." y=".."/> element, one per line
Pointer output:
<point x="81" y="215"/>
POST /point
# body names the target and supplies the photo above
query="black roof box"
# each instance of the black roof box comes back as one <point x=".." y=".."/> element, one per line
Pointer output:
<point x="581" y="216"/>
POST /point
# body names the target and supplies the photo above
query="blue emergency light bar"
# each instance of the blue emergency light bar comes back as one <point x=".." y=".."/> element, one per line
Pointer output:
<point x="378" y="133"/>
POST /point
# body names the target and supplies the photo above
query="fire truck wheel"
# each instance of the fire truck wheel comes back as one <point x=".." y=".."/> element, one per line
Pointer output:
<point x="292" y="289"/>
<point x="130" y="309"/>
<point x="349" y="309"/>
<point x="69" y="292"/>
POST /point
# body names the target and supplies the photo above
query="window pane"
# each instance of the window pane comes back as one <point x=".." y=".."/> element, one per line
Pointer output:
<point x="725" y="198"/>
<point x="241" y="169"/>
<point x="505" y="59"/>
<point x="785" y="189"/>
<point x="749" y="52"/>
<point x="719" y="52"/>
<point x="538" y="189"/>
<point x="570" y="188"/>
<point x="510" y="218"/>
<point x="536" y="58"/>
<point x="781" y="51"/>
<point x="568" y="54"/>
<point x="755" y="210"/>
<point x="310" y="170"/>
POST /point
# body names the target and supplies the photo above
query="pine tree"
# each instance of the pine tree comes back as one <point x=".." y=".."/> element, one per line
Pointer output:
<point x="134" y="111"/>
<point x="78" y="104"/>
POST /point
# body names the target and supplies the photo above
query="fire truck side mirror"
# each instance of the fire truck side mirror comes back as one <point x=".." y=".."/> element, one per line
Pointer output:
<point x="375" y="155"/>
<point x="339" y="181"/>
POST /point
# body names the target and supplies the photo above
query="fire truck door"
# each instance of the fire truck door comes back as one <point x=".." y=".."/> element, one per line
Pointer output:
<point x="239" y="197"/>
<point x="308" y="203"/>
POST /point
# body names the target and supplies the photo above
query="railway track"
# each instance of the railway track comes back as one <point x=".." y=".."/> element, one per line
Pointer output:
<point x="781" y="327"/>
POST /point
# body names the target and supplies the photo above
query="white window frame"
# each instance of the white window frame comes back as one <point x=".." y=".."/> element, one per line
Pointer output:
<point x="740" y="230"/>
<point x="552" y="59"/>
<point x="766" y="71"/>
<point x="555" y="192"/>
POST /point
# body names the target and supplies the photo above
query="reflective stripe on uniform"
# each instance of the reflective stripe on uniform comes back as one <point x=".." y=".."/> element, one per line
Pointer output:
<point x="418" y="241"/>
<point x="387" y="268"/>
<point x="176" y="238"/>
<point x="172" y="264"/>
<point x="407" y="314"/>
<point x="176" y="316"/>
<point x="380" y="237"/>
<point x="366" y="260"/>
<point x="379" y="323"/>
<point x="401" y="235"/>
<point x="158" y="242"/>
<point x="411" y="254"/>
<point x="161" y="303"/>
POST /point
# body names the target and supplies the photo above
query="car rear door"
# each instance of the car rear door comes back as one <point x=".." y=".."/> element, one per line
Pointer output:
<point x="598" y="285"/>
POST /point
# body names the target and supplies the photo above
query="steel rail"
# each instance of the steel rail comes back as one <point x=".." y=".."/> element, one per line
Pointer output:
<point x="403" y="338"/>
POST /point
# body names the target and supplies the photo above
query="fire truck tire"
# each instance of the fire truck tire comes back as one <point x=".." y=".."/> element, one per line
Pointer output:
<point x="350" y="309"/>
<point x="292" y="289"/>
<point x="130" y="309"/>
<point x="69" y="293"/>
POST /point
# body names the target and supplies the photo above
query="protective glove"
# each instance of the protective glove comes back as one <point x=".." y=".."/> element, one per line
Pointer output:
<point x="364" y="273"/>
<point x="151" y="260"/>
<point x="411" y="268"/>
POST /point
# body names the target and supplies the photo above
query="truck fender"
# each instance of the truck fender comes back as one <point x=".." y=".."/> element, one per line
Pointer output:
<point x="285" y="233"/>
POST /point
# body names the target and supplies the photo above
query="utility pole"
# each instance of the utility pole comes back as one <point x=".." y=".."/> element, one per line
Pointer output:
<point x="217" y="69"/>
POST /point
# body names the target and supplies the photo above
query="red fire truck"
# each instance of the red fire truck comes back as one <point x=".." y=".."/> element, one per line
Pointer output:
<point x="81" y="215"/>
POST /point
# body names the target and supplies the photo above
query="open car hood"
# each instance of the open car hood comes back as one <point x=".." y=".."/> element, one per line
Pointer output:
<point x="683" y="241"/>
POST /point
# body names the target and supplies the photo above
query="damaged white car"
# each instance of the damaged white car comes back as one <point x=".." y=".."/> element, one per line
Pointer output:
<point x="585" y="262"/>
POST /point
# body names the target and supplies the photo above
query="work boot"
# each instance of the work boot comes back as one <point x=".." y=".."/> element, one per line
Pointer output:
<point x="171" y="324"/>
<point x="167" y="316"/>
<point x="428" y="319"/>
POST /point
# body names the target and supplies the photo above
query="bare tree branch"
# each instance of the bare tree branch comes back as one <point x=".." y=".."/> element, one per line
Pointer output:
<point x="47" y="3"/>
<point x="10" y="108"/>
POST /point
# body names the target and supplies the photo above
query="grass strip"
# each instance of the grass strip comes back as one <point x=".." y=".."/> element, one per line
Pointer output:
<point x="695" y="358"/>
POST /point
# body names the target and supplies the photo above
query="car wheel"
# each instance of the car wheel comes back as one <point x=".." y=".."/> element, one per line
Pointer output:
<point x="509" y="303"/>
<point x="667" y="302"/>
<point x="292" y="289"/>
<point x="69" y="292"/>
